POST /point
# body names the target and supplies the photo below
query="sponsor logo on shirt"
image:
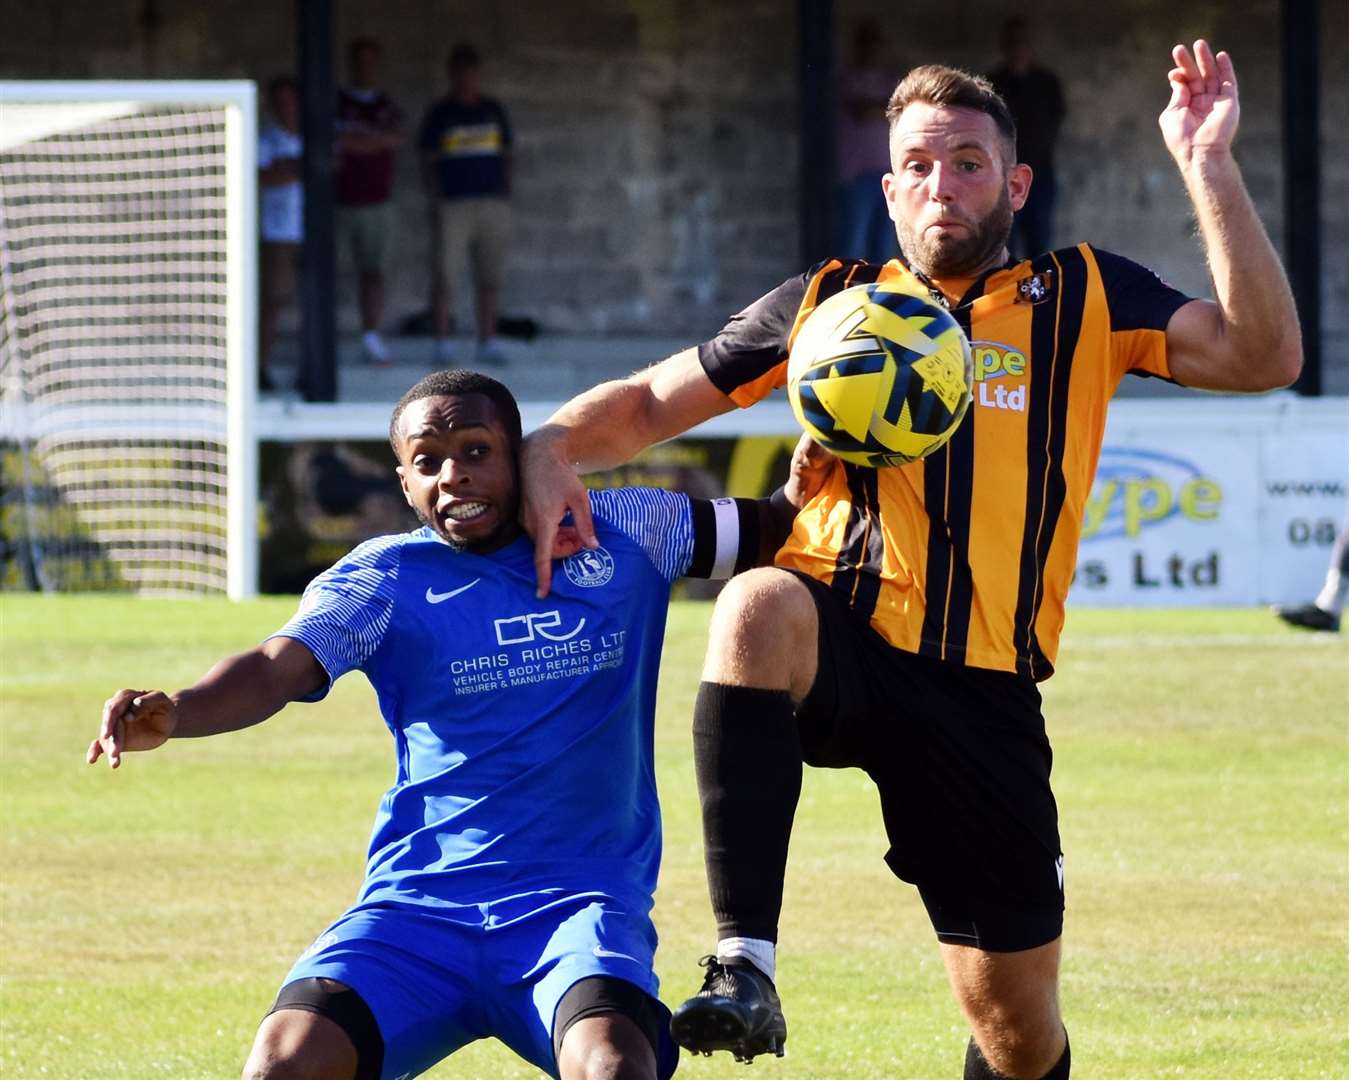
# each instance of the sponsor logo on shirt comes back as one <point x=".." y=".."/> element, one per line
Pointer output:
<point x="523" y="629"/>
<point x="589" y="568"/>
<point x="536" y="648"/>
<point x="433" y="597"/>
<point x="1000" y="376"/>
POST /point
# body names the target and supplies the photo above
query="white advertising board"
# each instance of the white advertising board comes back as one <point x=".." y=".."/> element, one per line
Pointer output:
<point x="1215" y="502"/>
<point x="1198" y="500"/>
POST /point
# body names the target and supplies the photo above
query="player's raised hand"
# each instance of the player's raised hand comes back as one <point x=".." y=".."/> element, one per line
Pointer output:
<point x="133" y="720"/>
<point x="1203" y="112"/>
<point x="549" y="490"/>
<point x="810" y="467"/>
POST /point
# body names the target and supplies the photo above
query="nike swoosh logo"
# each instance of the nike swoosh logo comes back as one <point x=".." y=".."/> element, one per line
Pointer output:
<point x="602" y="952"/>
<point x="433" y="597"/>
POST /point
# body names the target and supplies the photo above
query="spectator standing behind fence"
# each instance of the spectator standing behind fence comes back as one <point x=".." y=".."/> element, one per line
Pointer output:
<point x="466" y="170"/>
<point x="863" y="152"/>
<point x="1035" y="97"/>
<point x="281" y="209"/>
<point x="369" y="131"/>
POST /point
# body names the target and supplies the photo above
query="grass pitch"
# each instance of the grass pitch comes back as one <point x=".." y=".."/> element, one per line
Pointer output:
<point x="1200" y="768"/>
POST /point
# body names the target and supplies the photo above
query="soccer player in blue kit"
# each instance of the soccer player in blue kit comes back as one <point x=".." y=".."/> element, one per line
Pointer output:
<point x="509" y="882"/>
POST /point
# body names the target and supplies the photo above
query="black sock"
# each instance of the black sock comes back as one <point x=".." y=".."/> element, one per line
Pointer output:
<point x="747" y="757"/>
<point x="976" y="1068"/>
<point x="1064" y="1067"/>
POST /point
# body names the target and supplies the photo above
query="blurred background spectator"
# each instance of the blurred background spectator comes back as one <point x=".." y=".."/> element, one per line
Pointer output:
<point x="369" y="131"/>
<point x="466" y="170"/>
<point x="863" y="155"/>
<point x="280" y="211"/>
<point x="1035" y="97"/>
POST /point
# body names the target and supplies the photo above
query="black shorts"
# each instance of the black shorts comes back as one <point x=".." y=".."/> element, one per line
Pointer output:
<point x="962" y="762"/>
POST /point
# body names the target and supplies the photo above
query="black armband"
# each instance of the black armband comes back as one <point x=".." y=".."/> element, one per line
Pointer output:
<point x="727" y="536"/>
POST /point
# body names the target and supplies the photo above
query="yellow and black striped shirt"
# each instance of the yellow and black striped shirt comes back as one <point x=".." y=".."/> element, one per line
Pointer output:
<point x="967" y="555"/>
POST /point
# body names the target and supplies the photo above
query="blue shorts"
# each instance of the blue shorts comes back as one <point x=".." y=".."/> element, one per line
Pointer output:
<point x="435" y="984"/>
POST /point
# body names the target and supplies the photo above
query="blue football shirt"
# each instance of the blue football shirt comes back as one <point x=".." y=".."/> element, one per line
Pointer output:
<point x="523" y="728"/>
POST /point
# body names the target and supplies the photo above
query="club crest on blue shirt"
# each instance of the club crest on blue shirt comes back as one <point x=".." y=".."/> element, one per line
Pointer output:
<point x="589" y="568"/>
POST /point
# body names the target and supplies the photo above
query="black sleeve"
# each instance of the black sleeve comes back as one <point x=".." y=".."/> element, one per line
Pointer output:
<point x="1136" y="298"/>
<point x="754" y="341"/>
<point x="727" y="536"/>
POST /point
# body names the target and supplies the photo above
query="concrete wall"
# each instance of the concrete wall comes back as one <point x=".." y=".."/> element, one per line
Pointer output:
<point x="1117" y="185"/>
<point x="658" y="139"/>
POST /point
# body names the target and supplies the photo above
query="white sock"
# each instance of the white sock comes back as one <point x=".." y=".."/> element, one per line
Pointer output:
<point x="1331" y="597"/>
<point x="762" y="954"/>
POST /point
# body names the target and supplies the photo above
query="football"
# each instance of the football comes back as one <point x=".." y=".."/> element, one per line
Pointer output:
<point x="880" y="376"/>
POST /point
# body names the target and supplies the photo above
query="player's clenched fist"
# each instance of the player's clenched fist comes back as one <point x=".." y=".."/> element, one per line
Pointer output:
<point x="133" y="720"/>
<point x="810" y="468"/>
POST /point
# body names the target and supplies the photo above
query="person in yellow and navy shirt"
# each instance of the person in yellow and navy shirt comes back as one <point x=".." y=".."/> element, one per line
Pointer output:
<point x="465" y="145"/>
<point x="912" y="613"/>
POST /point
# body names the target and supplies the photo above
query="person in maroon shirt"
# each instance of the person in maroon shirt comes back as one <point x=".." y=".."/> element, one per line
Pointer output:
<point x="369" y="132"/>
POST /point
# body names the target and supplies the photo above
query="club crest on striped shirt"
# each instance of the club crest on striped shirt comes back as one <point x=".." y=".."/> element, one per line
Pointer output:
<point x="589" y="568"/>
<point x="1035" y="289"/>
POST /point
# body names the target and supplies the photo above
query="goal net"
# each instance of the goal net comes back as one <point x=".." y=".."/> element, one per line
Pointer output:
<point x="127" y="337"/>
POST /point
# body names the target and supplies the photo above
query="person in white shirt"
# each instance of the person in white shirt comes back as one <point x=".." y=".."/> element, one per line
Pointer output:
<point x="281" y="211"/>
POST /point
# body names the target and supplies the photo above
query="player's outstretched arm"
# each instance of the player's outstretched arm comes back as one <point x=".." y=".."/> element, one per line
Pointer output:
<point x="238" y="692"/>
<point x="1249" y="339"/>
<point x="601" y="429"/>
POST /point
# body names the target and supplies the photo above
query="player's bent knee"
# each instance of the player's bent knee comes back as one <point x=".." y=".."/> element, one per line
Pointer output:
<point x="762" y="599"/>
<point x="606" y="1047"/>
<point x="1011" y="1002"/>
<point x="295" y="1042"/>
<point x="764" y="633"/>
<point x="1021" y="1043"/>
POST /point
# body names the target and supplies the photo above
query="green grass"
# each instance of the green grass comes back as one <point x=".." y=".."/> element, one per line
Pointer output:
<point x="1200" y="767"/>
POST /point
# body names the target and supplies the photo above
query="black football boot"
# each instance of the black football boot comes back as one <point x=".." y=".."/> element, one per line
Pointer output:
<point x="737" y="1010"/>
<point x="1309" y="617"/>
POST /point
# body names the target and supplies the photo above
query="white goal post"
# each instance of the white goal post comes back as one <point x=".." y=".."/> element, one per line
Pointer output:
<point x="128" y="335"/>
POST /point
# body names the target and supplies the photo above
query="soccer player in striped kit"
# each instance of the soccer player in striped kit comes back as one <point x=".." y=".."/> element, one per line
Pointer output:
<point x="913" y="611"/>
<point x="511" y="869"/>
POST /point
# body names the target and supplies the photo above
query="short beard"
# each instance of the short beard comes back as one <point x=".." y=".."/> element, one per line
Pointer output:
<point x="949" y="257"/>
<point x="457" y="545"/>
<point x="504" y="533"/>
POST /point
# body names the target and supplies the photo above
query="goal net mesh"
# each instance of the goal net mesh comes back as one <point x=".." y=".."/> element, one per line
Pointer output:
<point x="113" y="346"/>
